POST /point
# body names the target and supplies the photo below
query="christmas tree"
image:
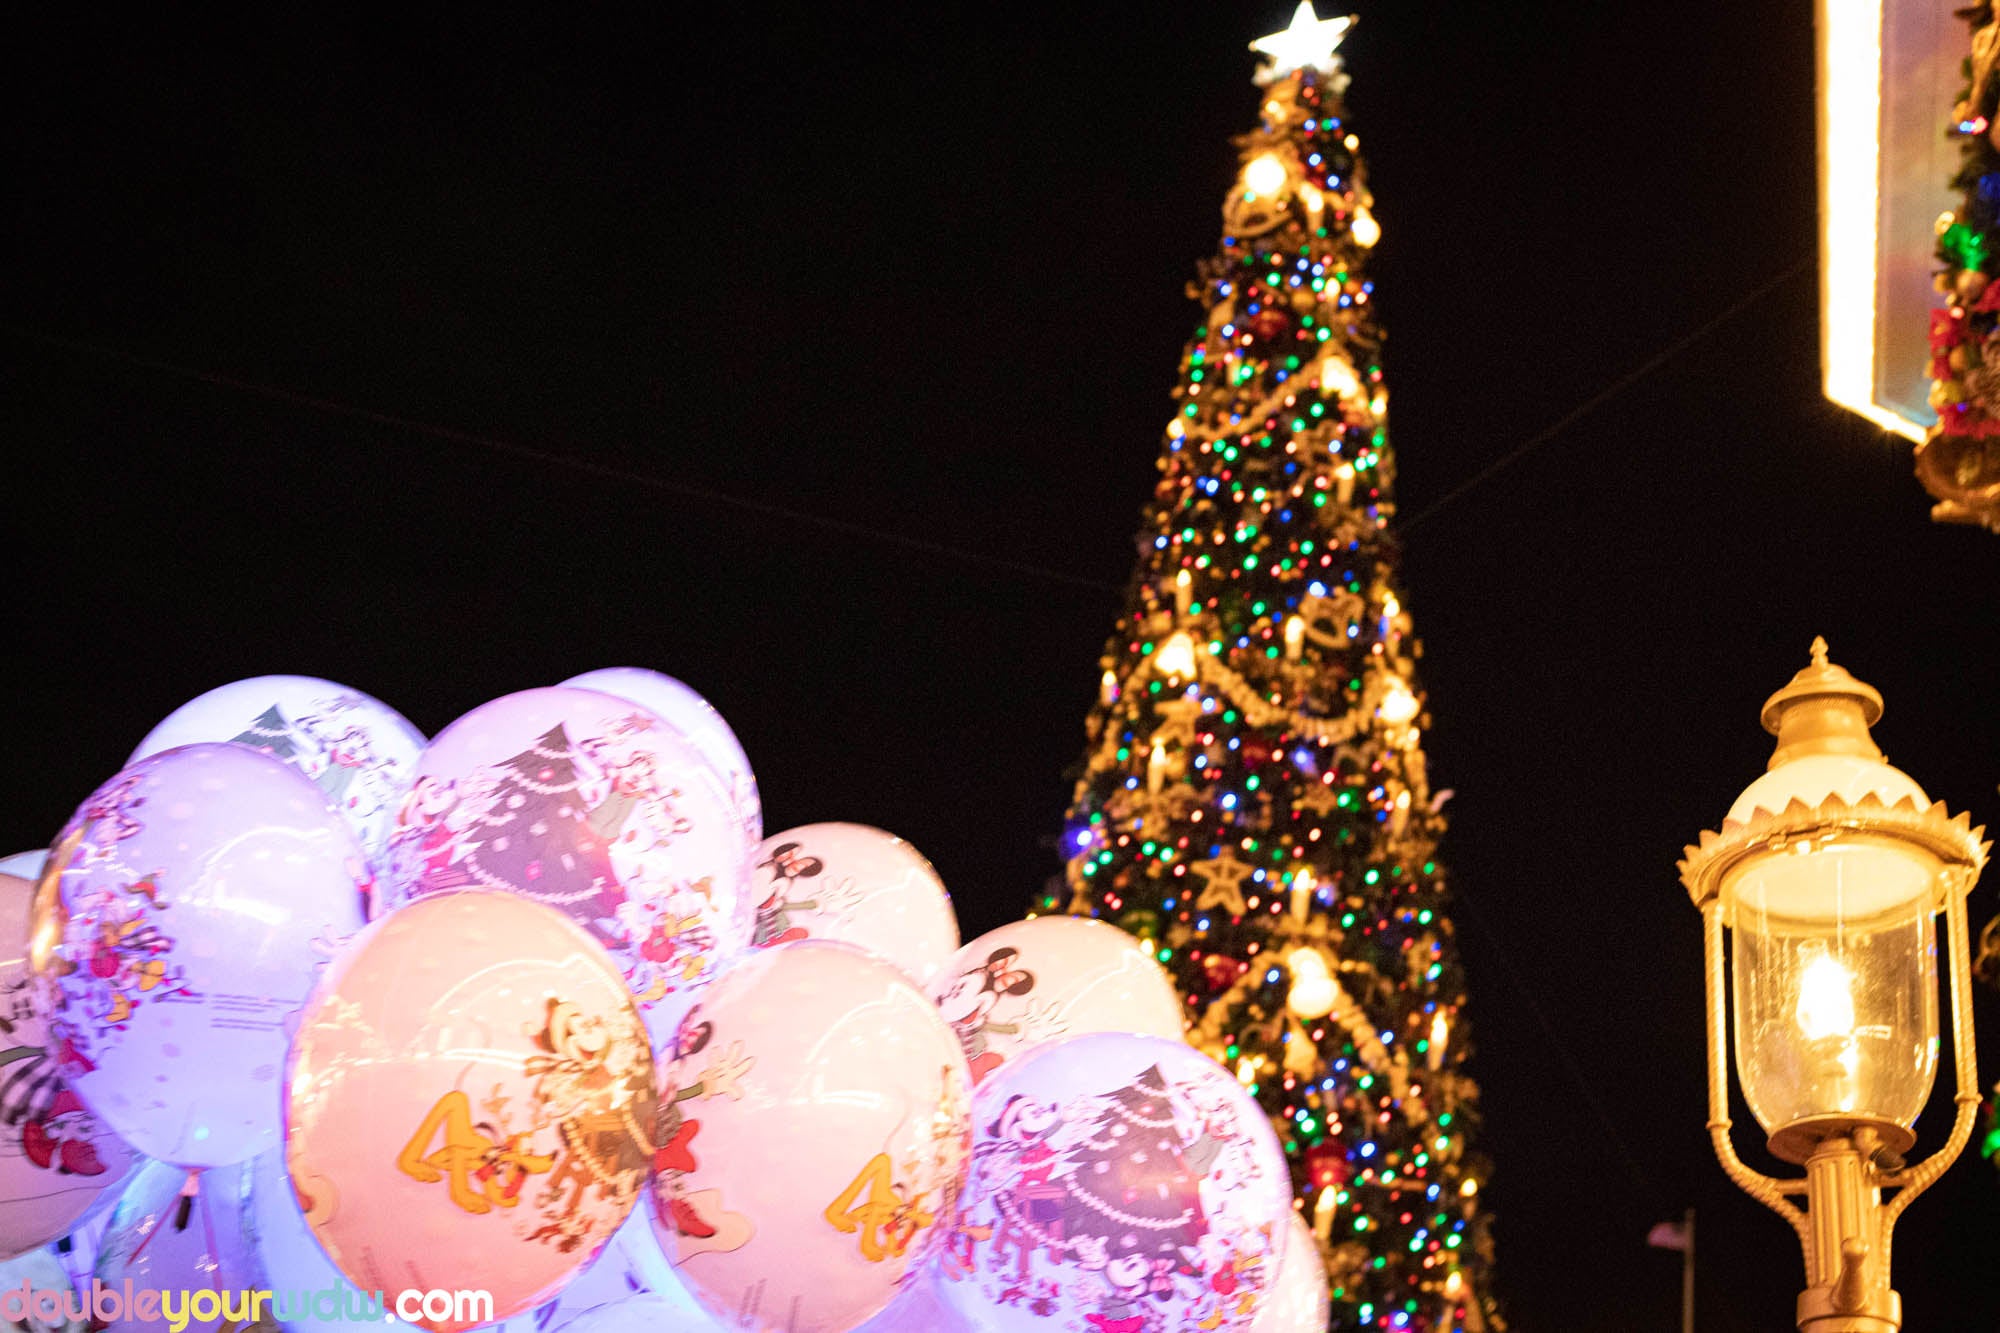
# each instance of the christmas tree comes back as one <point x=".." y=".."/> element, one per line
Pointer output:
<point x="1253" y="800"/>
<point x="536" y="839"/>
<point x="272" y="734"/>
<point x="1129" y="1183"/>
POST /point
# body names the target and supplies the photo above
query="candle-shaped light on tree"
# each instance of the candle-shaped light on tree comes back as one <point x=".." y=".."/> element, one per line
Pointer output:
<point x="1440" y="1038"/>
<point x="1295" y="638"/>
<point x="1183" y="592"/>
<point x="1323" y="1214"/>
<point x="1156" y="768"/>
<point x="1343" y="483"/>
<point x="1303" y="885"/>
<point x="1108" y="687"/>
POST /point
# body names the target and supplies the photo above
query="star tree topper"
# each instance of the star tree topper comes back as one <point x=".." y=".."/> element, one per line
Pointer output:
<point x="1310" y="41"/>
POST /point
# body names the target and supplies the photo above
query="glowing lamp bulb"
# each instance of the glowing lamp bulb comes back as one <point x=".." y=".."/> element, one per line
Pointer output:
<point x="1469" y="1189"/>
<point x="1265" y="175"/>
<point x="1366" y="229"/>
<point x="1246" y="1072"/>
<point x="1826" y="1000"/>
<point x="1176" y="656"/>
<point x="1398" y="704"/>
<point x="1313" y="991"/>
<point x="1314" y="200"/>
<point x="1391" y="608"/>
<point x="1454" y="1285"/>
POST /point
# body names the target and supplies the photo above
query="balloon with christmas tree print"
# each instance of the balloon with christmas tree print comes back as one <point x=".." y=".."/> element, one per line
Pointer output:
<point x="593" y="806"/>
<point x="357" y="750"/>
<point x="695" y="718"/>
<point x="1123" y="1179"/>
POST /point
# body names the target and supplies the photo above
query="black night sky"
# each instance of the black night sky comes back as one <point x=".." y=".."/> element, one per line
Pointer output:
<point x="818" y="357"/>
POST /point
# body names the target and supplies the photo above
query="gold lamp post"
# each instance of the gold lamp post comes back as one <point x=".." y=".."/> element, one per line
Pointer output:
<point x="1828" y="875"/>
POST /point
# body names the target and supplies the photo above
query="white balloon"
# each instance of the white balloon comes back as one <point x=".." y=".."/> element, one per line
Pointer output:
<point x="178" y="929"/>
<point x="1029" y="982"/>
<point x="37" y="1278"/>
<point x="858" y="885"/>
<point x="57" y="1160"/>
<point x="357" y="750"/>
<point x="695" y="718"/>
<point x="815" y="1115"/>
<point x="1301" y="1302"/>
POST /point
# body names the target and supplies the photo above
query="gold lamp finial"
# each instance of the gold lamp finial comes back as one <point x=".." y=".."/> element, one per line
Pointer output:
<point x="1823" y="710"/>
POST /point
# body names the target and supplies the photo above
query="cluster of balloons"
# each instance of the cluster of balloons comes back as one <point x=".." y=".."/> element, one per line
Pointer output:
<point x="529" y="1025"/>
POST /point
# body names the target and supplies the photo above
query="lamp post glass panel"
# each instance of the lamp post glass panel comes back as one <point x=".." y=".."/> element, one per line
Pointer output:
<point x="1835" y="980"/>
<point x="1828" y="875"/>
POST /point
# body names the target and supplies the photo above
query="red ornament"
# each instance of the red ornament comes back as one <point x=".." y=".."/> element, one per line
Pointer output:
<point x="1220" y="969"/>
<point x="1257" y="751"/>
<point x="1270" y="324"/>
<point x="1327" y="1166"/>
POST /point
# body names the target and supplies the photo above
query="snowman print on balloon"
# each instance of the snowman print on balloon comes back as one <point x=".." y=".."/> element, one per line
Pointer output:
<point x="1147" y="1206"/>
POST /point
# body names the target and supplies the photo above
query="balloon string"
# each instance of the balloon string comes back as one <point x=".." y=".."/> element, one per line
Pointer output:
<point x="190" y="1188"/>
<point x="208" y="1238"/>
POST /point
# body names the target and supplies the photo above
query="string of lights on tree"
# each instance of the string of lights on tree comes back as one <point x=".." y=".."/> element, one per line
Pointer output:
<point x="1253" y="800"/>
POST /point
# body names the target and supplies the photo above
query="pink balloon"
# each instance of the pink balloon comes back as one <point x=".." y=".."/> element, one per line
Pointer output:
<point x="470" y="1103"/>
<point x="814" y="1119"/>
<point x="1120" y="1178"/>
<point x="1035" y="981"/>
<point x="858" y="885"/>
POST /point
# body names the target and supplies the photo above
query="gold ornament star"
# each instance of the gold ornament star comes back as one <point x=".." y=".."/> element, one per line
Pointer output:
<point x="1222" y="882"/>
<point x="1317" y="797"/>
<point x="1310" y="41"/>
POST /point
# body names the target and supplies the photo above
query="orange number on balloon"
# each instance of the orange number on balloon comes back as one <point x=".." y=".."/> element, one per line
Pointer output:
<point x="468" y="1155"/>
<point x="886" y="1221"/>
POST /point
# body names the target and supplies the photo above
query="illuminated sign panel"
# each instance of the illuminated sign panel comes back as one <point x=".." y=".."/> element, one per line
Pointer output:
<point x="1889" y="73"/>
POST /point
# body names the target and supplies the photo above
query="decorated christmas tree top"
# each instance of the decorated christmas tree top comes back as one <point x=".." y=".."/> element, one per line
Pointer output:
<point x="1253" y="799"/>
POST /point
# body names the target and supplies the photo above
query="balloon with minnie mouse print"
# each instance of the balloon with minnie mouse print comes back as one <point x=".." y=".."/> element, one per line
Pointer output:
<point x="1120" y="1184"/>
<point x="1036" y="981"/>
